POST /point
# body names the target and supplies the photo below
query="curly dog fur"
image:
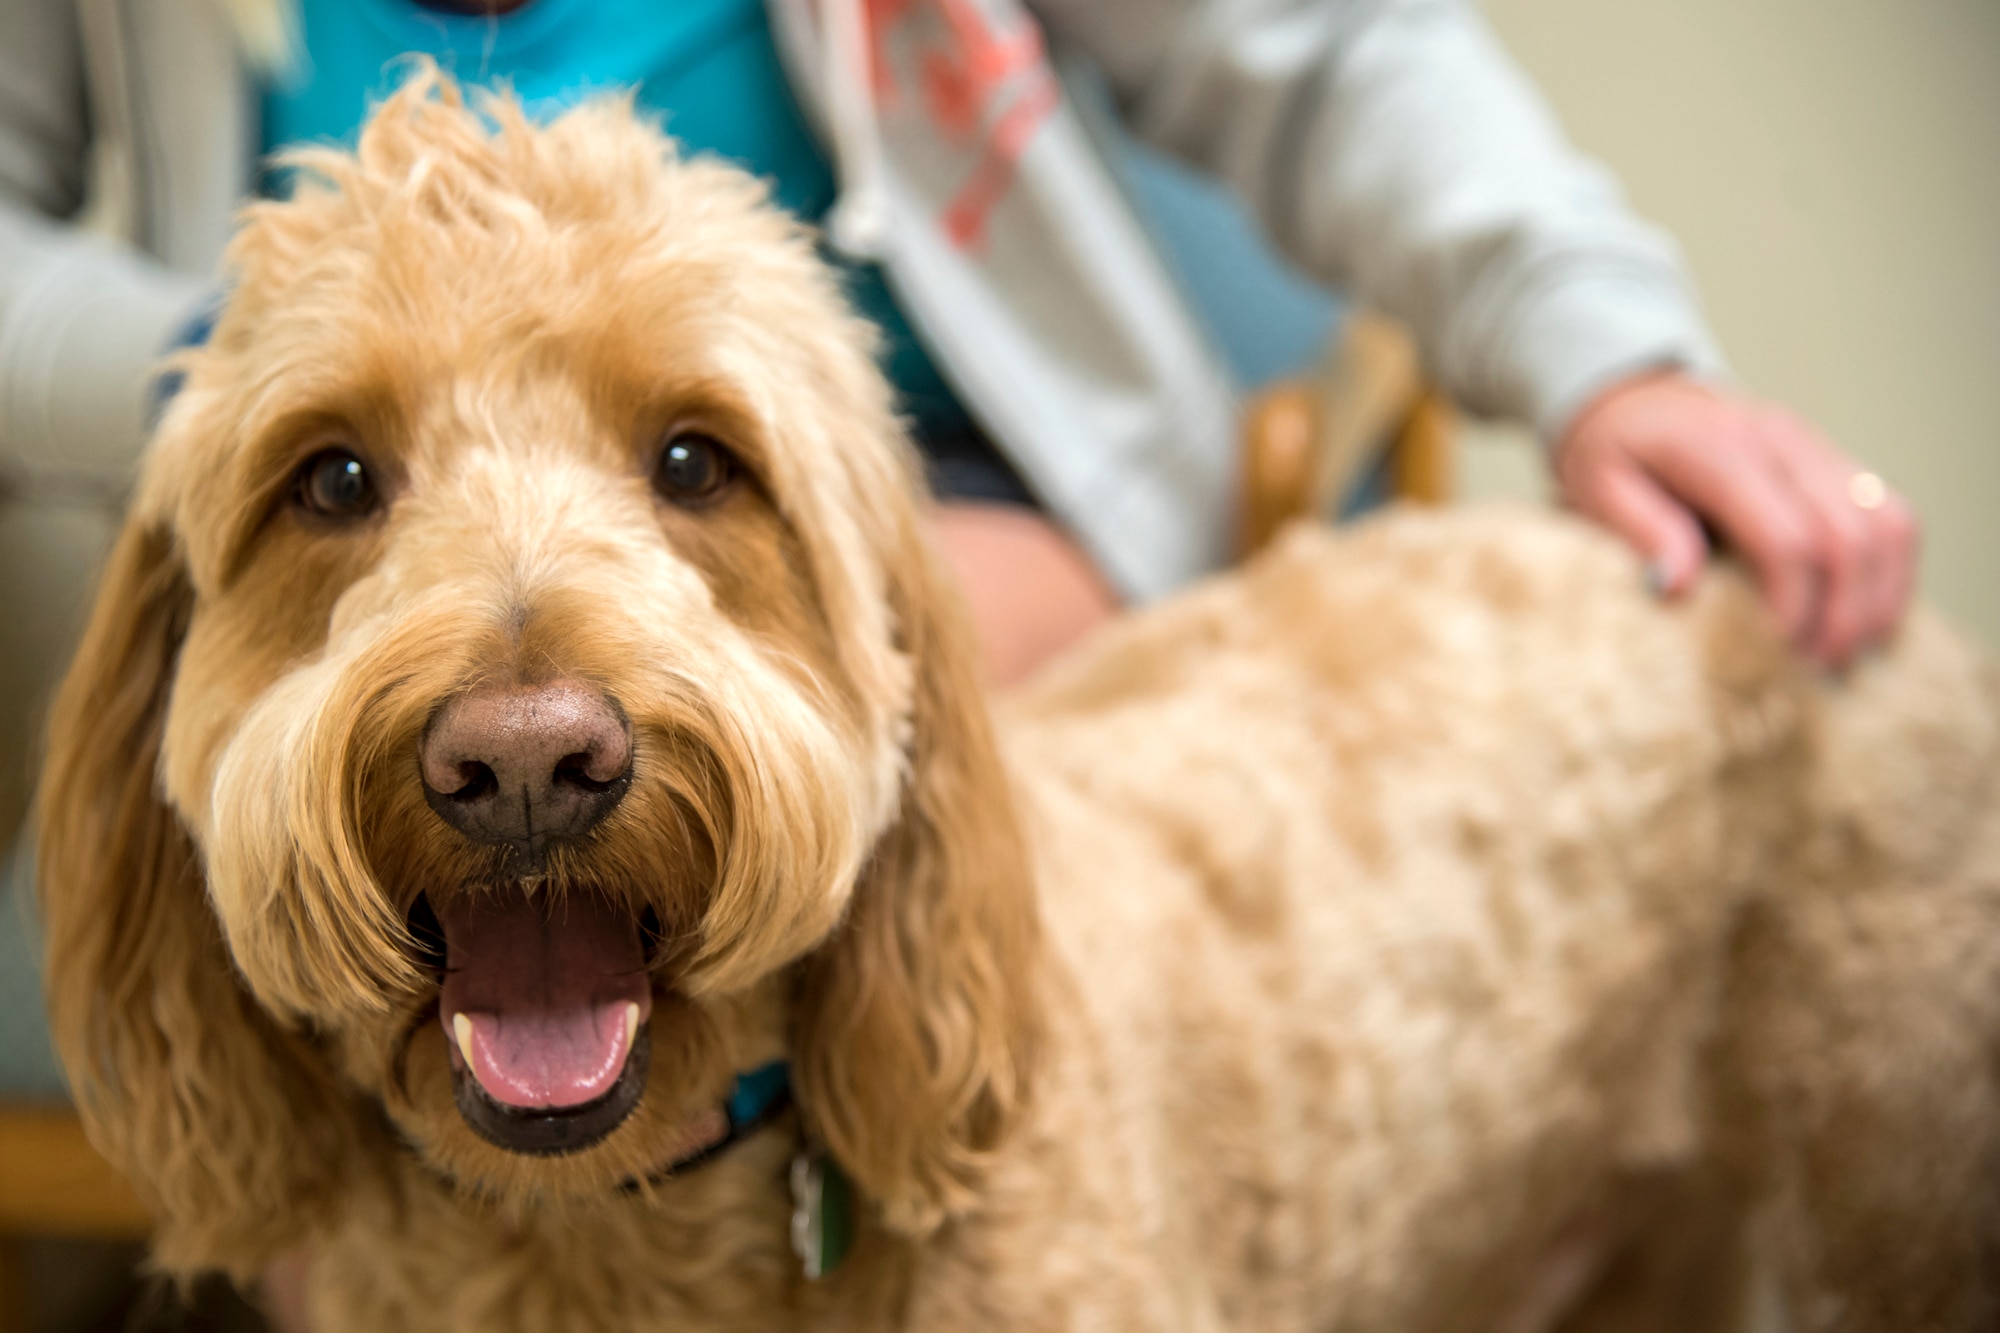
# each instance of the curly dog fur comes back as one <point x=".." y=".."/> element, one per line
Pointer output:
<point x="1422" y="929"/>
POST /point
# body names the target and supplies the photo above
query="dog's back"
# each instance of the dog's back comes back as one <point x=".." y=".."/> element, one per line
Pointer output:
<point x="1449" y="931"/>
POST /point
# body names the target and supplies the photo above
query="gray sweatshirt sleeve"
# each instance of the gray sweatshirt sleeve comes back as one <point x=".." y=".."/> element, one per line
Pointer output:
<point x="1393" y="148"/>
<point x="82" y="319"/>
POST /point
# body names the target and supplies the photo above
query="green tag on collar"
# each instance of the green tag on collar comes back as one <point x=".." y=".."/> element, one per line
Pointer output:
<point x="822" y="1213"/>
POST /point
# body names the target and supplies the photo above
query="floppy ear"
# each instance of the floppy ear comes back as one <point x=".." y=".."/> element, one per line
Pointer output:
<point x="919" y="1021"/>
<point x="231" y="1129"/>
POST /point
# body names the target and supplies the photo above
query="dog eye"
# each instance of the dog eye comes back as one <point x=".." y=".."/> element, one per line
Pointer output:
<point x="693" y="468"/>
<point x="334" y="482"/>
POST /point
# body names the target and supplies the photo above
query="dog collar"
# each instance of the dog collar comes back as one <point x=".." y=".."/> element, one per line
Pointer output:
<point x="822" y="1198"/>
<point x="759" y="1094"/>
<point x="757" y="1098"/>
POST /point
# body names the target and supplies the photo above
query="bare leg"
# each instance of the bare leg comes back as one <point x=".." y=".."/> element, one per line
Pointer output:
<point x="1032" y="591"/>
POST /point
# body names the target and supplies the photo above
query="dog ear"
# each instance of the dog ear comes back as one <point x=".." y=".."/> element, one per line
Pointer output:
<point x="919" y="1021"/>
<point x="231" y="1128"/>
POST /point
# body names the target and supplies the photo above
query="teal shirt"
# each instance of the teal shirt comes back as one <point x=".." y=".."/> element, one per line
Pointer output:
<point x="709" y="67"/>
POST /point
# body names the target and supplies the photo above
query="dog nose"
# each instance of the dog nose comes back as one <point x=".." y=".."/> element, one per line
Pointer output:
<point x="522" y="767"/>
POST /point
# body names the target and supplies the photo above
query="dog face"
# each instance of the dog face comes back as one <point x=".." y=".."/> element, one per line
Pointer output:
<point x="523" y="648"/>
<point x="521" y="630"/>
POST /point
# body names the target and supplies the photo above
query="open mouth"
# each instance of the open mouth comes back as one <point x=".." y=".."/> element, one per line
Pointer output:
<point x="545" y="1006"/>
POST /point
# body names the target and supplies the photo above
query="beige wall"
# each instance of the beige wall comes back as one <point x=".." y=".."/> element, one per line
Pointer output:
<point x="1832" y="168"/>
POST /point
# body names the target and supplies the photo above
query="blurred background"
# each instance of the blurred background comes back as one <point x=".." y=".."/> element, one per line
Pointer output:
<point x="1832" y="169"/>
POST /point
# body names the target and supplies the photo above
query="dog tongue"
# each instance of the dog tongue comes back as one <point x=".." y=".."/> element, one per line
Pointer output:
<point x="541" y="998"/>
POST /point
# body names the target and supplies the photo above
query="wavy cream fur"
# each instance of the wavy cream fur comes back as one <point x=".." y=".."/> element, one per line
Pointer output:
<point x="1419" y="930"/>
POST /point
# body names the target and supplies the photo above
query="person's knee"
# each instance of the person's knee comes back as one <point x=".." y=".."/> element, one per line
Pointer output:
<point x="1032" y="590"/>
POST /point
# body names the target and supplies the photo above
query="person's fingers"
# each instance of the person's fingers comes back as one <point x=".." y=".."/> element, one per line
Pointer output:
<point x="1899" y="570"/>
<point x="1893" y="540"/>
<point x="1868" y="540"/>
<point x="1616" y="492"/>
<point x="1834" y="550"/>
<point x="1850" y="554"/>
<point x="1740" y="491"/>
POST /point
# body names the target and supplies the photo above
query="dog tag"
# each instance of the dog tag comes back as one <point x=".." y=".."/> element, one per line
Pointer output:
<point x="822" y="1213"/>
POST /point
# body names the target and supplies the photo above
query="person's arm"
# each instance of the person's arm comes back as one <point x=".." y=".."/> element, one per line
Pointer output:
<point x="82" y="318"/>
<point x="1392" y="147"/>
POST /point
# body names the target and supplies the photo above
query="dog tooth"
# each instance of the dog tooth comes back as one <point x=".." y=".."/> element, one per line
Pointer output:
<point x="631" y="1024"/>
<point x="461" y="1027"/>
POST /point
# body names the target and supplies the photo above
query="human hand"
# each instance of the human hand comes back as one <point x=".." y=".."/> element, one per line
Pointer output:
<point x="1833" y="548"/>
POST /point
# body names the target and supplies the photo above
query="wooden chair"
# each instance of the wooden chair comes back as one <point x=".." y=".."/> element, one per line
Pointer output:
<point x="1306" y="442"/>
<point x="54" y="1184"/>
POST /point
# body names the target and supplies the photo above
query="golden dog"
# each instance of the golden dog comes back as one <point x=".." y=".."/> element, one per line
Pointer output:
<point x="522" y="710"/>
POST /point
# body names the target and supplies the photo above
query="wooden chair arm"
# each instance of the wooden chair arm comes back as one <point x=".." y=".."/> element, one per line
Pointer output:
<point x="53" y="1183"/>
<point x="1305" y="442"/>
